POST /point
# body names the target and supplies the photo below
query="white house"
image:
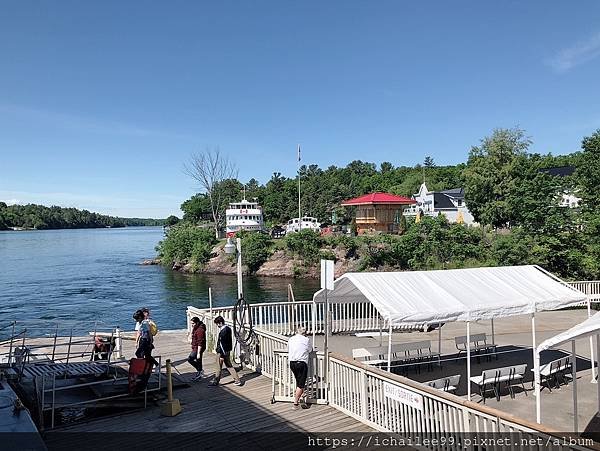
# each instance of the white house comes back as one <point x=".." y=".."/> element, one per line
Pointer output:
<point x="450" y="203"/>
<point x="568" y="197"/>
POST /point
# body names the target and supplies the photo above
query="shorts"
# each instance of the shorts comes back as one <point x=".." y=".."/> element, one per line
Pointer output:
<point x="300" y="370"/>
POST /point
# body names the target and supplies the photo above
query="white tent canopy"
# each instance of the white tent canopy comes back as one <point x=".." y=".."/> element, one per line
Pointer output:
<point x="426" y="297"/>
<point x="589" y="327"/>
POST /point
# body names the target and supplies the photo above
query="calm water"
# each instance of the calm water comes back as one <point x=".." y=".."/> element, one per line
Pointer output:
<point x="89" y="275"/>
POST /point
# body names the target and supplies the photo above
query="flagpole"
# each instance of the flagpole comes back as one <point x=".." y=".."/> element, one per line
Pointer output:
<point x="299" y="208"/>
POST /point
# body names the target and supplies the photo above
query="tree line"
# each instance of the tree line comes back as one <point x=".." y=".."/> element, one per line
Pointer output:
<point x="508" y="189"/>
<point x="39" y="217"/>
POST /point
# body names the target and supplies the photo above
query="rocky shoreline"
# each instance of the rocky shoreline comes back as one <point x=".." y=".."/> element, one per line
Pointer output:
<point x="278" y="265"/>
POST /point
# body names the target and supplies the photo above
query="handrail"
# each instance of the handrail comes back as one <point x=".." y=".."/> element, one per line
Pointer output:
<point x="445" y="396"/>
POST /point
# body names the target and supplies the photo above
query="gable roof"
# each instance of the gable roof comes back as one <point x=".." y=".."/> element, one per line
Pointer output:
<point x="441" y="200"/>
<point x="457" y="193"/>
<point x="427" y="297"/>
<point x="379" y="199"/>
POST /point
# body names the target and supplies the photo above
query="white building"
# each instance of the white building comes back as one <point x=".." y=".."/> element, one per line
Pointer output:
<point x="243" y="215"/>
<point x="567" y="197"/>
<point x="450" y="203"/>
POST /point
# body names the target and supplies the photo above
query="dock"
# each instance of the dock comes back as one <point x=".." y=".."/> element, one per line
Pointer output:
<point x="226" y="408"/>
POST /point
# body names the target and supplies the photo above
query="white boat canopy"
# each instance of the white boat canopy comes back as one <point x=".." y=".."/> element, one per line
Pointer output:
<point x="428" y="297"/>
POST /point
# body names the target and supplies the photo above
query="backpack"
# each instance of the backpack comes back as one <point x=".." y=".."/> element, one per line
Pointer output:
<point x="153" y="328"/>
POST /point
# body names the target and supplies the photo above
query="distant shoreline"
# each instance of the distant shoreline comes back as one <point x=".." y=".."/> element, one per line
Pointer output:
<point x="27" y="229"/>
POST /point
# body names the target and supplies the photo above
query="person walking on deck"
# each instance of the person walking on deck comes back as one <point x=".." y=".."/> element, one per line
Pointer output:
<point x="299" y="349"/>
<point x="223" y="349"/>
<point x="143" y="336"/>
<point x="198" y="347"/>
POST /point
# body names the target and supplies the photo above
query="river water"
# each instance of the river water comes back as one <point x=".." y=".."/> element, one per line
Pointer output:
<point x="94" y="275"/>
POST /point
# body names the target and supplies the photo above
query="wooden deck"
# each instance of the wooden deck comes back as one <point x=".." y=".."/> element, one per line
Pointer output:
<point x="224" y="408"/>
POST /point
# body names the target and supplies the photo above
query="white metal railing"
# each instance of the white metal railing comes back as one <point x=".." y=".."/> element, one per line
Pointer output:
<point x="589" y="287"/>
<point x="395" y="404"/>
<point x="267" y="342"/>
<point x="384" y="401"/>
<point x="284" y="383"/>
<point x="284" y="317"/>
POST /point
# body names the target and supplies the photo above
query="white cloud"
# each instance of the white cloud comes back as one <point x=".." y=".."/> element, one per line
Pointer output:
<point x="579" y="53"/>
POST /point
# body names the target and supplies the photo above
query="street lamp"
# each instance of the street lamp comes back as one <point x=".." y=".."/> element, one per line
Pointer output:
<point x="231" y="249"/>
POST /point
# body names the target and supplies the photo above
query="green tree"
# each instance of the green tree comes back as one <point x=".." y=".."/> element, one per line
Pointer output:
<point x="305" y="244"/>
<point x="186" y="243"/>
<point x="171" y="220"/>
<point x="588" y="175"/>
<point x="489" y="175"/>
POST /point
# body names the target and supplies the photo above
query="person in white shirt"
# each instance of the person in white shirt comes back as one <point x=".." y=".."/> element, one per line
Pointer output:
<point x="298" y="350"/>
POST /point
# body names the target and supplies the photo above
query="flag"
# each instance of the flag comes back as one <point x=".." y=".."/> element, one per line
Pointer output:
<point x="298" y="152"/>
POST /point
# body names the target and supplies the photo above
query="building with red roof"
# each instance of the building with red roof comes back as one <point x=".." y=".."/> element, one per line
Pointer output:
<point x="378" y="212"/>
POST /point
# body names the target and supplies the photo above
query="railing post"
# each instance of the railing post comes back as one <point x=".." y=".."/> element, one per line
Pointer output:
<point x="363" y="394"/>
<point x="12" y="337"/>
<point x="54" y="345"/>
<point x="118" y="343"/>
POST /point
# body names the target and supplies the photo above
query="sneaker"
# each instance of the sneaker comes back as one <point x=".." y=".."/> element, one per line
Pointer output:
<point x="295" y="406"/>
<point x="213" y="384"/>
<point x="238" y="383"/>
<point x="197" y="377"/>
<point x="201" y="373"/>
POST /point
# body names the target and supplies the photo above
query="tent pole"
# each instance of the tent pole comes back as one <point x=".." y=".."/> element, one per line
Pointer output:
<point x="390" y="348"/>
<point x="493" y="334"/>
<point x="574" y="366"/>
<point x="598" y="359"/>
<point x="468" y="361"/>
<point x="536" y="373"/>
<point x="592" y="354"/>
<point x="380" y="332"/>
<point x="314" y="321"/>
<point x="536" y="383"/>
<point x="440" y="339"/>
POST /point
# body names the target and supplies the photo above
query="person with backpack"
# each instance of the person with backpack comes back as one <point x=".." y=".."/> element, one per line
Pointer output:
<point x="144" y="337"/>
<point x="223" y="349"/>
<point x="198" y="347"/>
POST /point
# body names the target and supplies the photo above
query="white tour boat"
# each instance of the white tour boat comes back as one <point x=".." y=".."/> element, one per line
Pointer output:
<point x="243" y="215"/>
<point x="307" y="222"/>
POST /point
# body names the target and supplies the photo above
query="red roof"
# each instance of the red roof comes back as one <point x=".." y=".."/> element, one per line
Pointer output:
<point x="380" y="199"/>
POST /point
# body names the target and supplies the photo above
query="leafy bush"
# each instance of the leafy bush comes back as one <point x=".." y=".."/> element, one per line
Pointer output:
<point x="327" y="254"/>
<point x="304" y="244"/>
<point x="256" y="249"/>
<point x="186" y="243"/>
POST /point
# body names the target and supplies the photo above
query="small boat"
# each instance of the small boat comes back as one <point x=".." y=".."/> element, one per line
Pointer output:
<point x="306" y="222"/>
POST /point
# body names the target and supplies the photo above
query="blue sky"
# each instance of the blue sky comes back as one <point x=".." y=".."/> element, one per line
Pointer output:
<point x="101" y="103"/>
